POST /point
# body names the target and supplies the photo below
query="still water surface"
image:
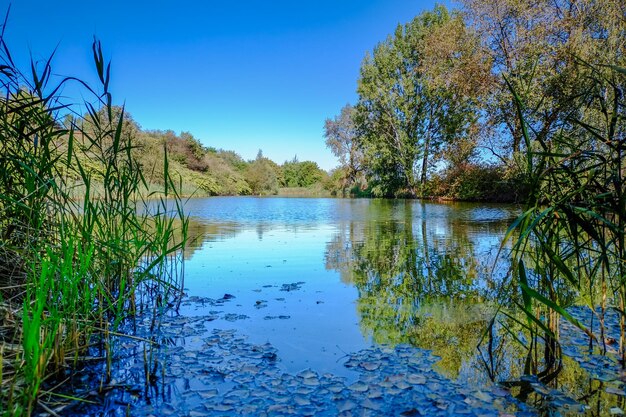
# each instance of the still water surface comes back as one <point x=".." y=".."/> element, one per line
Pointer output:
<point x="365" y="272"/>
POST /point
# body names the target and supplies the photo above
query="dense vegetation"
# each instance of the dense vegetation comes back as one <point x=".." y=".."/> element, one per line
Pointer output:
<point x="436" y="114"/>
<point x="85" y="243"/>
<point x="206" y="171"/>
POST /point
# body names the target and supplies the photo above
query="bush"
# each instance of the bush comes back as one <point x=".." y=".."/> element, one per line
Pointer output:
<point x="473" y="182"/>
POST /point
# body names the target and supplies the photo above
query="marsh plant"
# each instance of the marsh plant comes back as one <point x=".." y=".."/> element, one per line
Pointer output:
<point x="569" y="243"/>
<point x="86" y="242"/>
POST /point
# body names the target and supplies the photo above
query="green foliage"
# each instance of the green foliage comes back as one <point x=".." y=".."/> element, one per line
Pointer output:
<point x="342" y="139"/>
<point x="473" y="182"/>
<point x="233" y="159"/>
<point x="435" y="106"/>
<point x="209" y="171"/>
<point x="204" y="171"/>
<point x="417" y="97"/>
<point x="570" y="242"/>
<point x="335" y="182"/>
<point x="76" y="258"/>
<point x="301" y="174"/>
<point x="261" y="175"/>
<point x="387" y="115"/>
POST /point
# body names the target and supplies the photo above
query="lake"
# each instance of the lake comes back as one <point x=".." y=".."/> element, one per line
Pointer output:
<point x="298" y="306"/>
<point x="319" y="279"/>
<point x="366" y="272"/>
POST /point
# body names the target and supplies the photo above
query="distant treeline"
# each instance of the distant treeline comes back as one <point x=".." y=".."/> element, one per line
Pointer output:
<point x="209" y="171"/>
<point x="438" y="112"/>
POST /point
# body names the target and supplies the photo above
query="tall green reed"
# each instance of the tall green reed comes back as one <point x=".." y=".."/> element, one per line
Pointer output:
<point x="569" y="244"/>
<point x="73" y="269"/>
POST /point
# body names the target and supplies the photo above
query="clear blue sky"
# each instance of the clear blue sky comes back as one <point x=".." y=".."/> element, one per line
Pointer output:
<point x="239" y="75"/>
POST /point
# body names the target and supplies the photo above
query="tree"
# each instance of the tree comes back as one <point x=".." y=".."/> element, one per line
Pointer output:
<point x="261" y="176"/>
<point x="536" y="50"/>
<point x="301" y="174"/>
<point x="106" y="120"/>
<point x="194" y="146"/>
<point x="453" y="67"/>
<point x="416" y="96"/>
<point x="342" y="139"/>
<point x="388" y="112"/>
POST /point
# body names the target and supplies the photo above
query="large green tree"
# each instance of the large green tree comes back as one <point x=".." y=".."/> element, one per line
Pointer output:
<point x="418" y="94"/>
<point x="388" y="113"/>
<point x="301" y="174"/>
<point x="261" y="175"/>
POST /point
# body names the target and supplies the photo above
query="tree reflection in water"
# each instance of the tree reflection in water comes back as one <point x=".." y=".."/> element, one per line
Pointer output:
<point x="425" y="274"/>
<point x="420" y="277"/>
<point x="429" y="275"/>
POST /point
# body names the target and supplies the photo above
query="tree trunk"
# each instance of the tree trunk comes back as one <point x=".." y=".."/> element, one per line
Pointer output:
<point x="425" y="161"/>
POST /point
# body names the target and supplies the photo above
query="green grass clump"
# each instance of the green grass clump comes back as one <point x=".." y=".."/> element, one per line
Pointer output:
<point x="86" y="240"/>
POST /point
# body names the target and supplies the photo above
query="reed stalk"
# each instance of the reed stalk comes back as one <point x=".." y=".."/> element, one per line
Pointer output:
<point x="74" y="268"/>
<point x="569" y="242"/>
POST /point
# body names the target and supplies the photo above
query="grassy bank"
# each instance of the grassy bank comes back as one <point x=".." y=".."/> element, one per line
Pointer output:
<point x="314" y="191"/>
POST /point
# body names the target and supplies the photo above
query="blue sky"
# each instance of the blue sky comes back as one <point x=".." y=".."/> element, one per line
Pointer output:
<point x="239" y="75"/>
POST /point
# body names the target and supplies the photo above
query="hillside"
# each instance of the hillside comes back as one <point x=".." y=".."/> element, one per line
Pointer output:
<point x="207" y="171"/>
